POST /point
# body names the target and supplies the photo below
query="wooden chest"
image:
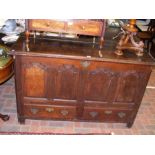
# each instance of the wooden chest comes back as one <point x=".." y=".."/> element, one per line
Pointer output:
<point x="68" y="81"/>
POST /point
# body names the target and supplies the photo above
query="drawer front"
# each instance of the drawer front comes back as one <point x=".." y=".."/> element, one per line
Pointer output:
<point x="46" y="25"/>
<point x="45" y="101"/>
<point x="84" y="27"/>
<point x="50" y="112"/>
<point x="106" y="114"/>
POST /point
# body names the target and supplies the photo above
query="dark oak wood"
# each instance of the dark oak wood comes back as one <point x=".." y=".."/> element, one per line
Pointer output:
<point x="64" y="80"/>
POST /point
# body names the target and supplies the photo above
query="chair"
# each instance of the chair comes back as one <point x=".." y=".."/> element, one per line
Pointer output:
<point x="147" y="36"/>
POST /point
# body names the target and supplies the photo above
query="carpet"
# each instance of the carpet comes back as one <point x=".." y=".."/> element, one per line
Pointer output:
<point x="49" y="133"/>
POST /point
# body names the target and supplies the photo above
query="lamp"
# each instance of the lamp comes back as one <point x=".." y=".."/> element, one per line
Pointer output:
<point x="127" y="40"/>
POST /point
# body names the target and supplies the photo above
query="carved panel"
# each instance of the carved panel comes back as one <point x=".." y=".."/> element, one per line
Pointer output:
<point x="34" y="79"/>
<point x="127" y="87"/>
<point x="98" y="84"/>
<point x="66" y="82"/>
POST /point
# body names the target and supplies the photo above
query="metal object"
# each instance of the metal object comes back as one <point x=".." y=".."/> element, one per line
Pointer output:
<point x="93" y="114"/>
<point x="85" y="64"/>
<point x="64" y="112"/>
<point x="34" y="110"/>
<point x="49" y="109"/>
<point x="121" y="114"/>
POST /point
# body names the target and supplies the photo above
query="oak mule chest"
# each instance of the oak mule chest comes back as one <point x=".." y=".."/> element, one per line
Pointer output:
<point x="73" y="81"/>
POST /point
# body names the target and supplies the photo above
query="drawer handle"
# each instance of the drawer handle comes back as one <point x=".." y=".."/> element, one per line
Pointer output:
<point x="93" y="114"/>
<point x="108" y="112"/>
<point x="64" y="112"/>
<point x="47" y="24"/>
<point x="34" y="110"/>
<point x="49" y="109"/>
<point x="121" y="114"/>
<point x="83" y="27"/>
<point x="85" y="64"/>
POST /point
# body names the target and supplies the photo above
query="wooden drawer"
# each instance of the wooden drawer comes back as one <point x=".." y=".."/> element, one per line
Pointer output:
<point x="106" y="114"/>
<point x="47" y="25"/>
<point x="45" y="101"/>
<point x="85" y="27"/>
<point x="50" y="112"/>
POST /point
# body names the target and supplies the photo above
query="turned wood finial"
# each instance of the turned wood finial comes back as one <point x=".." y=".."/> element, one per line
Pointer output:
<point x="102" y="34"/>
<point x="27" y="33"/>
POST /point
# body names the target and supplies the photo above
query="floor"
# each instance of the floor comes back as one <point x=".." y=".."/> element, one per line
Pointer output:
<point x="144" y="123"/>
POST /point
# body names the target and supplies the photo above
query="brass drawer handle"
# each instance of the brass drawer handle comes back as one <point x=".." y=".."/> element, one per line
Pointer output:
<point x="64" y="112"/>
<point x="34" y="110"/>
<point x="121" y="114"/>
<point x="85" y="64"/>
<point x="108" y="112"/>
<point x="83" y="27"/>
<point x="48" y="24"/>
<point x="49" y="109"/>
<point x="93" y="114"/>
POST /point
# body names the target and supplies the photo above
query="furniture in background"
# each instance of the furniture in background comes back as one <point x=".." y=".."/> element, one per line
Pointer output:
<point x="143" y="21"/>
<point x="147" y="36"/>
<point x="152" y="49"/>
<point x="142" y="24"/>
<point x="75" y="81"/>
<point x="6" y="71"/>
<point x="74" y="27"/>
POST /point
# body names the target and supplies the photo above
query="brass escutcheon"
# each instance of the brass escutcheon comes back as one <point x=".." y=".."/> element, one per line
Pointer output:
<point x="93" y="114"/>
<point x="64" y="112"/>
<point x="85" y="64"/>
<point x="34" y="110"/>
<point x="121" y="114"/>
<point x="49" y="109"/>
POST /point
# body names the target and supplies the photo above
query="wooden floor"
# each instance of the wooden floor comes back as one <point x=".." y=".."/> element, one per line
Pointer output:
<point x="143" y="125"/>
